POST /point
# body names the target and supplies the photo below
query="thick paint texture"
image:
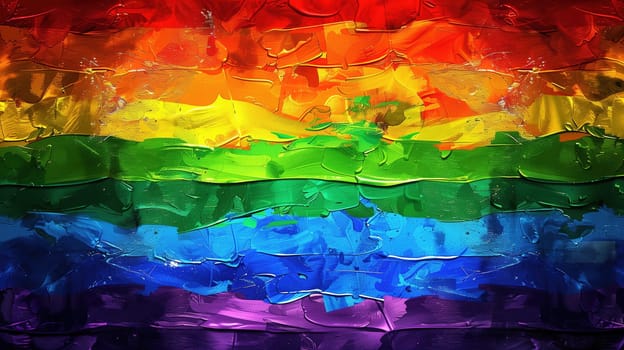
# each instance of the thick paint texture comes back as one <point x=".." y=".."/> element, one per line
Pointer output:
<point x="281" y="258"/>
<point x="188" y="205"/>
<point x="298" y="174"/>
<point x="361" y="158"/>
<point x="113" y="317"/>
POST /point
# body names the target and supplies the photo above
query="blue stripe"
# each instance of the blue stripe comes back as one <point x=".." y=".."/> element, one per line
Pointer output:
<point x="281" y="258"/>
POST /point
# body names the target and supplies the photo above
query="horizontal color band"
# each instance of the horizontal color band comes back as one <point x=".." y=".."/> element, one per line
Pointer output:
<point x="283" y="258"/>
<point x="190" y="205"/>
<point x="363" y="158"/>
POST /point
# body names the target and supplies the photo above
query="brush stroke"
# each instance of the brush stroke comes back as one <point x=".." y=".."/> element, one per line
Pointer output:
<point x="119" y="317"/>
<point x="364" y="159"/>
<point x="189" y="205"/>
<point x="282" y="258"/>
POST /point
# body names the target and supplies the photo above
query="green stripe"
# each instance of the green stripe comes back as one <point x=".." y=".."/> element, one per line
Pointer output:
<point x="189" y="205"/>
<point x="75" y="159"/>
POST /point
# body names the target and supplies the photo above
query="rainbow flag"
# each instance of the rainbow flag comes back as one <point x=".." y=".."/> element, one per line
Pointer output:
<point x="292" y="174"/>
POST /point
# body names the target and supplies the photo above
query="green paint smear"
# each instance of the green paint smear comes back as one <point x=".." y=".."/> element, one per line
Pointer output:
<point x="360" y="104"/>
<point x="189" y="205"/>
<point x="281" y="223"/>
<point x="360" y="157"/>
<point x="283" y="136"/>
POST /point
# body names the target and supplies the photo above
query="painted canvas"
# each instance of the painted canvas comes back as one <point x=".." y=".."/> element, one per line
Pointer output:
<point x="311" y="174"/>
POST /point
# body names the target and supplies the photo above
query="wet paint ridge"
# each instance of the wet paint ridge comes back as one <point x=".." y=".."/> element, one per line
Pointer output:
<point x="120" y="317"/>
<point x="178" y="308"/>
<point x="282" y="258"/>
<point x="189" y="205"/>
<point x="283" y="14"/>
<point x="364" y="158"/>
<point x="233" y="123"/>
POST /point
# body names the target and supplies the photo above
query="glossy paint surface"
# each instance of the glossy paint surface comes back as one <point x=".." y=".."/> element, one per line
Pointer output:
<point x="292" y="174"/>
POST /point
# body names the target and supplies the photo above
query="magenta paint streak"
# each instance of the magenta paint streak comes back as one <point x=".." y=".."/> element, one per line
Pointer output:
<point x="110" y="317"/>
